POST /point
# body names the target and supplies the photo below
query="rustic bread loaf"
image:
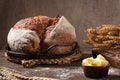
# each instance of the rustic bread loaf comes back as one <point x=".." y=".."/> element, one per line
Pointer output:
<point x="36" y="34"/>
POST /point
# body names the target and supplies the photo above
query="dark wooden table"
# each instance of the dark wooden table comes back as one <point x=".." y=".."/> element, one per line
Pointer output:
<point x="67" y="72"/>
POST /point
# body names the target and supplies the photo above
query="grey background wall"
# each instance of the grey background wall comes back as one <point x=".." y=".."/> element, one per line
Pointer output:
<point x="81" y="13"/>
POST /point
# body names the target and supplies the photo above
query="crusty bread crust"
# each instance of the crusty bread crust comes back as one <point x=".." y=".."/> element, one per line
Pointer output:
<point x="50" y="31"/>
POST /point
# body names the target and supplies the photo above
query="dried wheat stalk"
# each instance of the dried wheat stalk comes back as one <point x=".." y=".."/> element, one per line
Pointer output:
<point x="104" y="37"/>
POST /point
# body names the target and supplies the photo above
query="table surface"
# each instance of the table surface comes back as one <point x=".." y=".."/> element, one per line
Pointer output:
<point x="66" y="72"/>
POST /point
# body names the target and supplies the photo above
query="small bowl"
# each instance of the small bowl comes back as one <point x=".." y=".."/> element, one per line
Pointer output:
<point x="95" y="71"/>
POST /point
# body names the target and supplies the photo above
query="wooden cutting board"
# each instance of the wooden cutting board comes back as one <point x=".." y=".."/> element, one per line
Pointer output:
<point x="113" y="56"/>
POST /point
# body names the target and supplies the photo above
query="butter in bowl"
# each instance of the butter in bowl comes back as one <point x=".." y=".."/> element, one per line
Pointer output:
<point x="95" y="67"/>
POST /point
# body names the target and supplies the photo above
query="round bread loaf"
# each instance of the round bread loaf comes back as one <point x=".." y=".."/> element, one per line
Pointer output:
<point x="37" y="34"/>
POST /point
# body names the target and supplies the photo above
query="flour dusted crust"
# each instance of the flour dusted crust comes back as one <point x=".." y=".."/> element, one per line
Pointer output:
<point x="37" y="24"/>
<point x="37" y="34"/>
<point x="23" y="40"/>
<point x="27" y="34"/>
<point x="63" y="32"/>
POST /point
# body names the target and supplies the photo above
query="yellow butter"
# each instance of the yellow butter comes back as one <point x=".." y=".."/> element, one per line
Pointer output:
<point x="98" y="61"/>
